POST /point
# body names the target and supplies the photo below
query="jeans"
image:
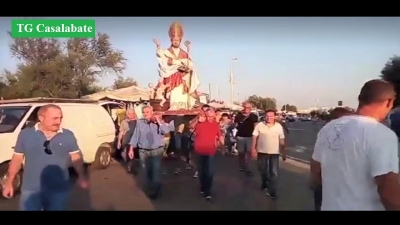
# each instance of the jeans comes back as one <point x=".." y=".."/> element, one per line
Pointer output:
<point x="268" y="165"/>
<point x="46" y="201"/>
<point x="205" y="166"/>
<point x="152" y="169"/>
<point x="243" y="146"/>
<point x="318" y="197"/>
<point x="229" y="144"/>
<point x="178" y="141"/>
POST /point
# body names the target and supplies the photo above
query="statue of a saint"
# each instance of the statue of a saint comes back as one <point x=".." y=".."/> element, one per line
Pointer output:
<point x="177" y="71"/>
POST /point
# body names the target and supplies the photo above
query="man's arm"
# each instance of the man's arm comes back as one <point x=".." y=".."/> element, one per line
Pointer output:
<point x="135" y="137"/>
<point x="122" y="130"/>
<point x="220" y="137"/>
<point x="164" y="128"/>
<point x="17" y="159"/>
<point x="76" y="157"/>
<point x="282" y="141"/>
<point x="315" y="163"/>
<point x="171" y="125"/>
<point x="256" y="133"/>
<point x="384" y="167"/>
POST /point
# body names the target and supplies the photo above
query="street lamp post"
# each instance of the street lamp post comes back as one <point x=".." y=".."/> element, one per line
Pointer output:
<point x="231" y="81"/>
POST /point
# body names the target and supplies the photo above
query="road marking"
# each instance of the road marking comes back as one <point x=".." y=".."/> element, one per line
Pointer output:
<point x="296" y="129"/>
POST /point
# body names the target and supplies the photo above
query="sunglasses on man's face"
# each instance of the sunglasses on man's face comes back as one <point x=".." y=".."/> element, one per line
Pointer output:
<point x="47" y="150"/>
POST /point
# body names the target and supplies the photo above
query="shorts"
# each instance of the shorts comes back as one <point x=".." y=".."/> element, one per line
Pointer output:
<point x="243" y="144"/>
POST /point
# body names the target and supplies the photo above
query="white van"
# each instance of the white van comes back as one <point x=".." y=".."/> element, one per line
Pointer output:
<point x="88" y="120"/>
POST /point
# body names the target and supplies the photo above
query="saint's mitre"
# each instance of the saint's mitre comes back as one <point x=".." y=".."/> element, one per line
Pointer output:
<point x="175" y="30"/>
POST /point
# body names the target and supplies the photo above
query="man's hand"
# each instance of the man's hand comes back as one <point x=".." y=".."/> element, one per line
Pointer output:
<point x="283" y="157"/>
<point x="253" y="153"/>
<point x="131" y="154"/>
<point x="119" y="145"/>
<point x="8" y="190"/>
<point x="83" y="182"/>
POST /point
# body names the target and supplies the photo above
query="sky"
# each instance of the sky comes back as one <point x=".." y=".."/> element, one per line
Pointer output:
<point x="304" y="61"/>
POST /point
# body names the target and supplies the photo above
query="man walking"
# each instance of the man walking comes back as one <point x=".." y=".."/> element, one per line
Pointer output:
<point x="245" y="123"/>
<point x="356" y="156"/>
<point x="207" y="132"/>
<point x="148" y="137"/>
<point x="268" y="143"/>
<point x="126" y="130"/>
<point x="47" y="149"/>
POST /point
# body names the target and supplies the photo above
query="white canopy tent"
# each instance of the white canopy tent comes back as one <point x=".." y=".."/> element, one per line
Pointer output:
<point x="129" y="94"/>
<point x="216" y="105"/>
<point x="233" y="106"/>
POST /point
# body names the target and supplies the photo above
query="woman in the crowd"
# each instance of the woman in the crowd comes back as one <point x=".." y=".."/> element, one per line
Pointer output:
<point x="218" y="115"/>
<point x="335" y="114"/>
<point x="227" y="127"/>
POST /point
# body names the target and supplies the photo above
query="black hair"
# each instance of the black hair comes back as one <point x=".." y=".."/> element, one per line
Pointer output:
<point x="226" y="115"/>
<point x="205" y="106"/>
<point x="218" y="110"/>
<point x="270" y="110"/>
<point x="375" y="91"/>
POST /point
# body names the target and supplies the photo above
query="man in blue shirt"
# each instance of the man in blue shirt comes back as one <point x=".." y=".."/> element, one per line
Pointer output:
<point x="148" y="137"/>
<point x="47" y="149"/>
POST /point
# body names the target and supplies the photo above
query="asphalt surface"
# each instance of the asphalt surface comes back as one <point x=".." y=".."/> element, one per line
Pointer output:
<point x="301" y="139"/>
<point x="113" y="189"/>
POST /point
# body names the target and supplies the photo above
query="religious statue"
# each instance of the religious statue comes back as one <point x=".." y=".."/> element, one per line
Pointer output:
<point x="159" y="92"/>
<point x="176" y="70"/>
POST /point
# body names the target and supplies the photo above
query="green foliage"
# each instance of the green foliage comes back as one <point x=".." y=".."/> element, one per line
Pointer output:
<point x="123" y="82"/>
<point x="52" y="67"/>
<point x="391" y="73"/>
<point x="263" y="103"/>
<point x="288" y="107"/>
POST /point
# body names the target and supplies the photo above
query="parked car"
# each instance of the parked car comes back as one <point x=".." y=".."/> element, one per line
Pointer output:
<point x="290" y="118"/>
<point x="92" y="125"/>
<point x="305" y="118"/>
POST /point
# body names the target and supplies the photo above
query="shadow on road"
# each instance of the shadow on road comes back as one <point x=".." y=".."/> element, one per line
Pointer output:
<point x="232" y="189"/>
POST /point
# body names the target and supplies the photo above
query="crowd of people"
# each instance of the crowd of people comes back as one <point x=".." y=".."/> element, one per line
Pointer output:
<point x="354" y="165"/>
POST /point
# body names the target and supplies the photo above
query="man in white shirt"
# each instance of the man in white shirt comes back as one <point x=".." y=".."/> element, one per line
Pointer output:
<point x="268" y="142"/>
<point x="356" y="157"/>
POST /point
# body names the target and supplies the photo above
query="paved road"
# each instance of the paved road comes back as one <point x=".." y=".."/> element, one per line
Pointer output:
<point x="301" y="139"/>
<point x="113" y="189"/>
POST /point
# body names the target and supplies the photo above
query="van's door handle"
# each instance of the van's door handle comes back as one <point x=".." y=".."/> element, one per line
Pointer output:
<point x="13" y="147"/>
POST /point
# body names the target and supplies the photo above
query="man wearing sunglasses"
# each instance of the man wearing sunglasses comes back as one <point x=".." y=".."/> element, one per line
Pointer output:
<point x="47" y="149"/>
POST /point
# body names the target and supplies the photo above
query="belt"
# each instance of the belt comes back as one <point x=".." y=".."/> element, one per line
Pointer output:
<point x="151" y="149"/>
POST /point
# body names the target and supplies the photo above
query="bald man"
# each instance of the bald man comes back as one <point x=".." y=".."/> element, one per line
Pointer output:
<point x="47" y="149"/>
<point x="355" y="157"/>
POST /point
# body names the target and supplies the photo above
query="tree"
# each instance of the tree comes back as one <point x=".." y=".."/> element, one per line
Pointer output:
<point x="391" y="73"/>
<point x="262" y="103"/>
<point x="237" y="103"/>
<point x="123" y="82"/>
<point x="54" y="68"/>
<point x="288" y="107"/>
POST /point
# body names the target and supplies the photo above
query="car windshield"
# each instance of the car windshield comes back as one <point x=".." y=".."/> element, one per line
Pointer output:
<point x="11" y="116"/>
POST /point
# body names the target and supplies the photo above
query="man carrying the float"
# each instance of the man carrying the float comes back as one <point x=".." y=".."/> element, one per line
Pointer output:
<point x="177" y="71"/>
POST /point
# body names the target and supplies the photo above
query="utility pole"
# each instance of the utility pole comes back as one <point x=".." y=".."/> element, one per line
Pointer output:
<point x="232" y="81"/>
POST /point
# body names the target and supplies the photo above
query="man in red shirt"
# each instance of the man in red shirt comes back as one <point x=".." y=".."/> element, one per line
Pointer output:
<point x="205" y="147"/>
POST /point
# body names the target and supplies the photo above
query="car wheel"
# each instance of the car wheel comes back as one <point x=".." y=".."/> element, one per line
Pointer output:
<point x="102" y="159"/>
<point x="3" y="177"/>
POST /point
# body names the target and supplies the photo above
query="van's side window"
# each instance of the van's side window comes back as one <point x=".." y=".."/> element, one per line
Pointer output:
<point x="32" y="119"/>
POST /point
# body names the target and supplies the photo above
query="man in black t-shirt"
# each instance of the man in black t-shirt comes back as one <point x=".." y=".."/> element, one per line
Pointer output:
<point x="245" y="123"/>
